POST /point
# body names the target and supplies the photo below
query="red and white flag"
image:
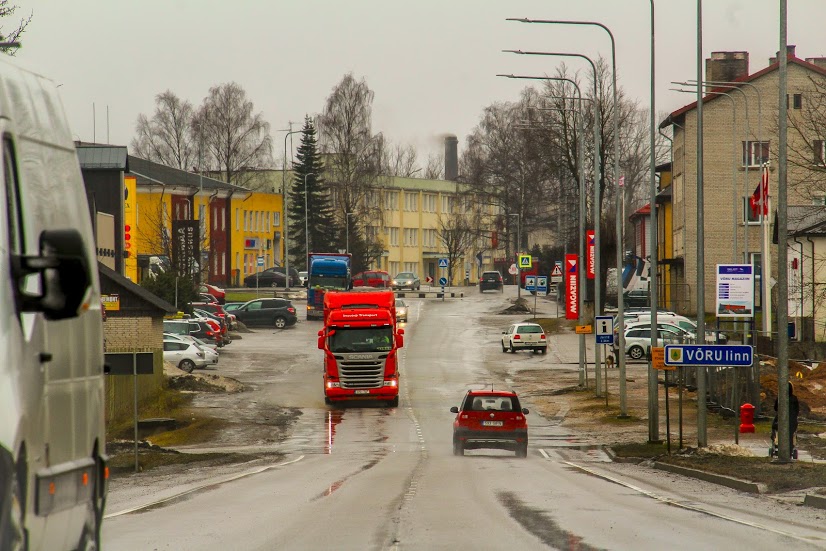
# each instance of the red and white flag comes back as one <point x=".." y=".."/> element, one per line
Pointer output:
<point x="757" y="198"/>
<point x="621" y="181"/>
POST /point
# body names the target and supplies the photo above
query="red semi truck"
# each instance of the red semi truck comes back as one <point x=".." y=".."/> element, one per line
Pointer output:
<point x="360" y="343"/>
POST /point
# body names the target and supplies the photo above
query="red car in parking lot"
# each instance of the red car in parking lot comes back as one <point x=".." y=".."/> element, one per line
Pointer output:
<point x="490" y="419"/>
<point x="219" y="294"/>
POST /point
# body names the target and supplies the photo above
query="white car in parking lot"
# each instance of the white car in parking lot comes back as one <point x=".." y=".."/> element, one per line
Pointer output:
<point x="186" y="355"/>
<point x="638" y="339"/>
<point x="524" y="336"/>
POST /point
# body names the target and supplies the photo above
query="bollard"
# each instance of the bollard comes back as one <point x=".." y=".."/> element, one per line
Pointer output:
<point x="746" y="418"/>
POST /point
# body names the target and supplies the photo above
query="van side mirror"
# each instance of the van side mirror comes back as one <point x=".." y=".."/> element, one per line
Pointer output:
<point x="64" y="271"/>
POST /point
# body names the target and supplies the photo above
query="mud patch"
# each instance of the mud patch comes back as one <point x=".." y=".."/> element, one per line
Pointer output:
<point x="541" y="525"/>
<point x="205" y="382"/>
<point x="518" y="308"/>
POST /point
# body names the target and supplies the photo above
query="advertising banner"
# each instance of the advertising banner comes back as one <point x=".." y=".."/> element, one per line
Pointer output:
<point x="735" y="290"/>
<point x="590" y="253"/>
<point x="571" y="287"/>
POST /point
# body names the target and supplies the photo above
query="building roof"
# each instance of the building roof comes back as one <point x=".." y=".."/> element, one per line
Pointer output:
<point x="149" y="173"/>
<point x="102" y="156"/>
<point x="644" y="211"/>
<point x="712" y="94"/>
<point x="143" y="294"/>
<point x="806" y="220"/>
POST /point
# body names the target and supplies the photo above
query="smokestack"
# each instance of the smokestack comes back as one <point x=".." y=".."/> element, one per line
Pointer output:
<point x="790" y="49"/>
<point x="818" y="61"/>
<point x="451" y="158"/>
<point x="727" y="66"/>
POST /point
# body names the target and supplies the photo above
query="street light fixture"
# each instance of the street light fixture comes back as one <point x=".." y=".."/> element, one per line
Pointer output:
<point x="347" y="216"/>
<point x="286" y="210"/>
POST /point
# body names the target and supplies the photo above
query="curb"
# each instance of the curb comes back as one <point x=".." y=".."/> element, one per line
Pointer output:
<point x="727" y="481"/>
<point x="818" y="502"/>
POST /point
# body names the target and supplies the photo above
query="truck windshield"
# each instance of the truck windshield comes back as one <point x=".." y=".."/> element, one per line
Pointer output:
<point x="361" y="339"/>
<point x="329" y="282"/>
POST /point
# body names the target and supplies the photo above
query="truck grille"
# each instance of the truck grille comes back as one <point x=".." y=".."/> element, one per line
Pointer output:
<point x="361" y="373"/>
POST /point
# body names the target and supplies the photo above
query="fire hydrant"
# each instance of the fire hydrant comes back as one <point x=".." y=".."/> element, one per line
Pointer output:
<point x="746" y="418"/>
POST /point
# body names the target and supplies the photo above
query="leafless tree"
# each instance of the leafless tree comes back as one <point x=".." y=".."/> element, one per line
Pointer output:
<point x="806" y="145"/>
<point x="435" y="168"/>
<point x="8" y="10"/>
<point x="399" y="160"/>
<point x="235" y="137"/>
<point x="167" y="137"/>
<point x="457" y="233"/>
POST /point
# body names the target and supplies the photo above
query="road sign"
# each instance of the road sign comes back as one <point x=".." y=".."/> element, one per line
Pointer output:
<point x="556" y="273"/>
<point x="428" y="280"/>
<point x="442" y="281"/>
<point x="541" y="286"/>
<point x="605" y="329"/>
<point x="658" y="359"/>
<point x="443" y="263"/>
<point x="571" y="287"/>
<point x="712" y="355"/>
<point x="524" y="261"/>
<point x="584" y="329"/>
<point x="513" y="270"/>
<point x="590" y="257"/>
<point x="530" y="283"/>
<point x="260" y="261"/>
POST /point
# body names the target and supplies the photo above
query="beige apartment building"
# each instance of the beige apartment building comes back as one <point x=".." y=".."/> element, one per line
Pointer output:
<point x="732" y="167"/>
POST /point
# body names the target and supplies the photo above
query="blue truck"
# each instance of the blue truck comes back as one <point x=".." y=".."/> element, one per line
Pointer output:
<point x="325" y="272"/>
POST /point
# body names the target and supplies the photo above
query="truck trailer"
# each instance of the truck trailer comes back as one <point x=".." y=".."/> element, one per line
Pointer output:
<point x="360" y="340"/>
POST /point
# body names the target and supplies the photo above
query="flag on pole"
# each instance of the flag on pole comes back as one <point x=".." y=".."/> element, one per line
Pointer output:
<point x="757" y="198"/>
<point x="621" y="181"/>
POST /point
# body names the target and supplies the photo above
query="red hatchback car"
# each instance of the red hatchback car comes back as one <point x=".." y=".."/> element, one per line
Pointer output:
<point x="490" y="419"/>
<point x="374" y="278"/>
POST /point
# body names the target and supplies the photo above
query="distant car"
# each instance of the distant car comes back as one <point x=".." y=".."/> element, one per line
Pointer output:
<point x="406" y="280"/>
<point x="275" y="312"/>
<point x="491" y="280"/>
<point x="216" y="292"/>
<point x="207" y="298"/>
<point x="302" y="278"/>
<point x="372" y="278"/>
<point x="637" y="298"/>
<point x="186" y="355"/>
<point x="271" y="277"/>
<point x="190" y="338"/>
<point x="524" y="336"/>
<point x="490" y="419"/>
<point x="401" y="310"/>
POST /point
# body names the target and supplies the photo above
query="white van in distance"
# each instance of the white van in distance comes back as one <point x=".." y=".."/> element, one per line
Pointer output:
<point x="52" y="462"/>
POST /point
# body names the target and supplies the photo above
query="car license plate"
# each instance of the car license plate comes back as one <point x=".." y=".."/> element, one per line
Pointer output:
<point x="491" y="423"/>
<point x="362" y="392"/>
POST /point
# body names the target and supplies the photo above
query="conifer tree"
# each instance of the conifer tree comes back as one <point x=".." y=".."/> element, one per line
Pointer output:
<point x="324" y="231"/>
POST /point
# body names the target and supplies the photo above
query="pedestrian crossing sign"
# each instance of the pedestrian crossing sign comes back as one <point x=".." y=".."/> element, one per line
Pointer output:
<point x="443" y="263"/>
<point x="524" y="261"/>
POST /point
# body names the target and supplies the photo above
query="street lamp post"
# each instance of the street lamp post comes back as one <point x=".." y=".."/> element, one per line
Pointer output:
<point x="286" y="217"/>
<point x="597" y="214"/>
<point x="347" y="216"/>
<point x="306" y="218"/>
<point x="581" y="247"/>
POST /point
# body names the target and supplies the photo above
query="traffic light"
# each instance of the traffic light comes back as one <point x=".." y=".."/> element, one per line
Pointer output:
<point x="127" y="238"/>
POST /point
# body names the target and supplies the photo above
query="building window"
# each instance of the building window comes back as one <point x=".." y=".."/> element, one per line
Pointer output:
<point x="748" y="214"/>
<point x="246" y="227"/>
<point x="797" y="101"/>
<point x="819" y="151"/>
<point x="267" y="222"/>
<point x="223" y="219"/>
<point x="391" y="200"/>
<point x="411" y="267"/>
<point x="755" y="153"/>
<point x="393" y="236"/>
<point x="411" y="202"/>
<point x="429" y="238"/>
<point x="411" y="237"/>
<point x="447" y="203"/>
<point x="223" y="263"/>
<point x="394" y="268"/>
<point x="276" y="219"/>
<point x="237" y="220"/>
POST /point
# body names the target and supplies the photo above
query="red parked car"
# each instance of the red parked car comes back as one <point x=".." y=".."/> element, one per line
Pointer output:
<point x="490" y="419"/>
<point x="219" y="294"/>
<point x="373" y="278"/>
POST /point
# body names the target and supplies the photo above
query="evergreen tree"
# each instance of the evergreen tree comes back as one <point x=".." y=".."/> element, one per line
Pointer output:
<point x="324" y="231"/>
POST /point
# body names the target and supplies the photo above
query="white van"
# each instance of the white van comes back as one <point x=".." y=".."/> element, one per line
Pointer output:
<point x="52" y="466"/>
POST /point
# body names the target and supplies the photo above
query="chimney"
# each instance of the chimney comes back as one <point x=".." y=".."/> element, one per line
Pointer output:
<point x="818" y="61"/>
<point x="727" y="66"/>
<point x="789" y="50"/>
<point x="451" y="158"/>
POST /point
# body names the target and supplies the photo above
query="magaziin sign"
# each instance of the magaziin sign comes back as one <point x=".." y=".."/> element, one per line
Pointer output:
<point x="571" y="287"/>
<point x="735" y="291"/>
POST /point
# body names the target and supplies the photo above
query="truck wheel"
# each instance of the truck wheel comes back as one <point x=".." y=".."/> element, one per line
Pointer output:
<point x="394" y="403"/>
<point x="187" y="365"/>
<point x="280" y="322"/>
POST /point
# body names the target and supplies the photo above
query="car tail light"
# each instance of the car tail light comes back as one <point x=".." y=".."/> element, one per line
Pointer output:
<point x="291" y="310"/>
<point x="209" y="333"/>
<point x="516" y="337"/>
<point x="542" y="336"/>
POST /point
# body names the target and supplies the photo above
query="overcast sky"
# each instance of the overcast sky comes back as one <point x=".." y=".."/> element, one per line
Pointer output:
<point x="431" y="63"/>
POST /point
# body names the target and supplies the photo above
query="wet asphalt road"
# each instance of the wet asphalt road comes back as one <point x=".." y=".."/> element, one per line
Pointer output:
<point x="378" y="478"/>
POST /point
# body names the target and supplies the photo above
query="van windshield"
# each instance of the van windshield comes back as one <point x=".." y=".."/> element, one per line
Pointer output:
<point x="329" y="282"/>
<point x="176" y="327"/>
<point x="361" y="339"/>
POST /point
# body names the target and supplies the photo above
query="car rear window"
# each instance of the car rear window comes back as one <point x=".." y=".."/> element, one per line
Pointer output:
<point x="491" y="403"/>
<point x="529" y="329"/>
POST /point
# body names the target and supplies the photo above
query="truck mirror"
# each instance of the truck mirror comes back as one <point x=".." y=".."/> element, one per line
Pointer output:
<point x="320" y="341"/>
<point x="401" y="331"/>
<point x="400" y="338"/>
<point x="64" y="275"/>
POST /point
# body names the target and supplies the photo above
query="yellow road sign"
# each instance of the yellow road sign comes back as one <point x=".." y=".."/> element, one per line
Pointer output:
<point x="584" y="329"/>
<point x="525" y="261"/>
<point x="658" y="359"/>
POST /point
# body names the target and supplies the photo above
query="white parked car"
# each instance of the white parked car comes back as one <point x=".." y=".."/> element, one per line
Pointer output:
<point x="186" y="355"/>
<point x="524" y="336"/>
<point x="638" y="340"/>
<point x="189" y="338"/>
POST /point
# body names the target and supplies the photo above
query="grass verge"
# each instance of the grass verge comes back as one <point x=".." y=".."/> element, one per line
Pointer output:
<point x="244" y="296"/>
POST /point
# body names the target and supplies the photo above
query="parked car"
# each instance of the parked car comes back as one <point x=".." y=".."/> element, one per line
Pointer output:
<point x="190" y="338"/>
<point x="406" y="280"/>
<point x="223" y="324"/>
<point x="207" y="298"/>
<point x="372" y="278"/>
<point x="712" y="337"/>
<point x="401" y="310"/>
<point x="232" y="306"/>
<point x="638" y="340"/>
<point x="272" y="277"/>
<point x="638" y="298"/>
<point x="524" y="336"/>
<point x="490" y="419"/>
<point x="491" y="280"/>
<point x="186" y="355"/>
<point x="275" y="312"/>
<point x="219" y="294"/>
